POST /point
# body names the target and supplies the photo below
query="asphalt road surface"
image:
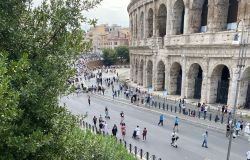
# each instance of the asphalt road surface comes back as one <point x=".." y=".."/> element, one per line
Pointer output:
<point x="158" y="138"/>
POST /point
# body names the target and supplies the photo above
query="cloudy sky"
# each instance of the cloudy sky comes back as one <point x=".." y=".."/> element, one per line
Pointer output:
<point x="108" y="12"/>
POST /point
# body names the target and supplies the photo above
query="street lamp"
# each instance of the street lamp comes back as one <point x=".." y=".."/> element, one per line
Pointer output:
<point x="240" y="66"/>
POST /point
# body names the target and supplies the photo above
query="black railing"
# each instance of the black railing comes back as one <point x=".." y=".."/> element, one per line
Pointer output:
<point x="134" y="150"/>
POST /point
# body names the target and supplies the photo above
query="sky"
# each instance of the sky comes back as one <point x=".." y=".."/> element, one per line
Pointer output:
<point x="108" y="12"/>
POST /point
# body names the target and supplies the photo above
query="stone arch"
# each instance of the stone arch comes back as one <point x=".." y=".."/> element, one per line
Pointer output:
<point x="204" y="15"/>
<point x="160" y="80"/>
<point x="162" y="20"/>
<point x="244" y="93"/>
<point x="175" y="79"/>
<point x="232" y="11"/>
<point x="140" y="78"/>
<point x="142" y="25"/>
<point x="150" y="22"/>
<point x="178" y="17"/>
<point x="149" y="74"/>
<point x="195" y="77"/>
<point x="219" y="84"/>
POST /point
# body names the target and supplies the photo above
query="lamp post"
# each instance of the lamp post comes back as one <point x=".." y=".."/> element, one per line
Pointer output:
<point x="240" y="66"/>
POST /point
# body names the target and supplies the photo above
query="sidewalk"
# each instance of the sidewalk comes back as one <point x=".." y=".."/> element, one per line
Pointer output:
<point x="191" y="103"/>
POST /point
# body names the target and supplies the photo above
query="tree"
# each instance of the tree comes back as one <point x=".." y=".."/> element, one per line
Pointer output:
<point x="109" y="57"/>
<point x="37" y="48"/>
<point x="122" y="53"/>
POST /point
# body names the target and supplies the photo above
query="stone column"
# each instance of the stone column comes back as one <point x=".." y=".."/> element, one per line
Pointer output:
<point x="217" y="15"/>
<point x="154" y="74"/>
<point x="232" y="88"/>
<point x="183" y="81"/>
<point x="204" y="87"/>
<point x="145" y="23"/>
<point x="186" y="21"/>
<point x="131" y="68"/>
<point x="154" y="18"/>
<point x="145" y="73"/>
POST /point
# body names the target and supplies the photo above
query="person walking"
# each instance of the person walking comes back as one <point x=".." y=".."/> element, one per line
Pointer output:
<point x="114" y="130"/>
<point x="94" y="121"/>
<point x="205" y="137"/>
<point x="176" y="124"/>
<point x="123" y="130"/>
<point x="105" y="128"/>
<point x="161" y="120"/>
<point x="89" y="100"/>
<point x="248" y="155"/>
<point x="144" y="134"/>
<point x="122" y="117"/>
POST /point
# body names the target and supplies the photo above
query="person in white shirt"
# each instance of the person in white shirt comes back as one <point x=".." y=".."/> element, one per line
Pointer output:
<point x="248" y="155"/>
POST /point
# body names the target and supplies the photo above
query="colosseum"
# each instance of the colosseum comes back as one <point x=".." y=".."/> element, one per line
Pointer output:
<point x="187" y="48"/>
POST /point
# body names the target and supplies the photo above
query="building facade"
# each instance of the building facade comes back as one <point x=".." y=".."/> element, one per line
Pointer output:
<point x="105" y="36"/>
<point x="186" y="48"/>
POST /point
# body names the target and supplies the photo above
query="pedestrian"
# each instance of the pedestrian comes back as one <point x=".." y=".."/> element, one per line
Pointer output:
<point x="105" y="128"/>
<point x="122" y="117"/>
<point x="123" y="130"/>
<point x="101" y="125"/>
<point x="94" y="121"/>
<point x="144" y="134"/>
<point x="89" y="100"/>
<point x="205" y="136"/>
<point x="237" y="128"/>
<point x="161" y="120"/>
<point x="136" y="133"/>
<point x="114" y="130"/>
<point x="205" y="111"/>
<point x="176" y="123"/>
<point x="248" y="155"/>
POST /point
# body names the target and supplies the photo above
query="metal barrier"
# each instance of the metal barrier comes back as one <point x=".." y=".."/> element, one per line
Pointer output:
<point x="134" y="150"/>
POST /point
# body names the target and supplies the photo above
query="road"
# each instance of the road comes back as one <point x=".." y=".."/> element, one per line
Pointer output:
<point x="158" y="138"/>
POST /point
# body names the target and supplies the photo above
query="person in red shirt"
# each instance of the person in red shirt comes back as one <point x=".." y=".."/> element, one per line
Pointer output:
<point x="144" y="134"/>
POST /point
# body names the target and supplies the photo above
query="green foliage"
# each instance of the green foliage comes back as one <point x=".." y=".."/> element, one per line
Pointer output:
<point x="37" y="48"/>
<point x="109" y="57"/>
<point x="122" y="53"/>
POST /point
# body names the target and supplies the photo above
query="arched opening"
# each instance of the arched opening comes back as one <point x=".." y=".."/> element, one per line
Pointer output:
<point x="204" y="16"/>
<point x="160" y="82"/>
<point x="178" y="19"/>
<point x="142" y="25"/>
<point x="219" y="84"/>
<point x="140" y="79"/>
<point x="194" y="81"/>
<point x="150" y="22"/>
<point x="149" y="74"/>
<point x="244" y="96"/>
<point x="162" y="20"/>
<point x="175" y="79"/>
<point x="232" y="14"/>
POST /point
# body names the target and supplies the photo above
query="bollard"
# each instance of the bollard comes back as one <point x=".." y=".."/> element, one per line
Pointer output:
<point x="90" y="126"/>
<point x="222" y="119"/>
<point x="147" y="156"/>
<point x="86" y="125"/>
<point x="135" y="150"/>
<point x="141" y="153"/>
<point x="175" y="109"/>
<point x="189" y="111"/>
<point x="125" y="144"/>
<point x="153" y="157"/>
<point x="120" y="141"/>
<point x="199" y="114"/>
<point x="210" y="117"/>
<point x="130" y="148"/>
<point x="159" y="105"/>
<point x="171" y="108"/>
<point x="180" y="109"/>
<point x="167" y="107"/>
<point x="155" y="104"/>
<point x="93" y="129"/>
<point x="163" y="106"/>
